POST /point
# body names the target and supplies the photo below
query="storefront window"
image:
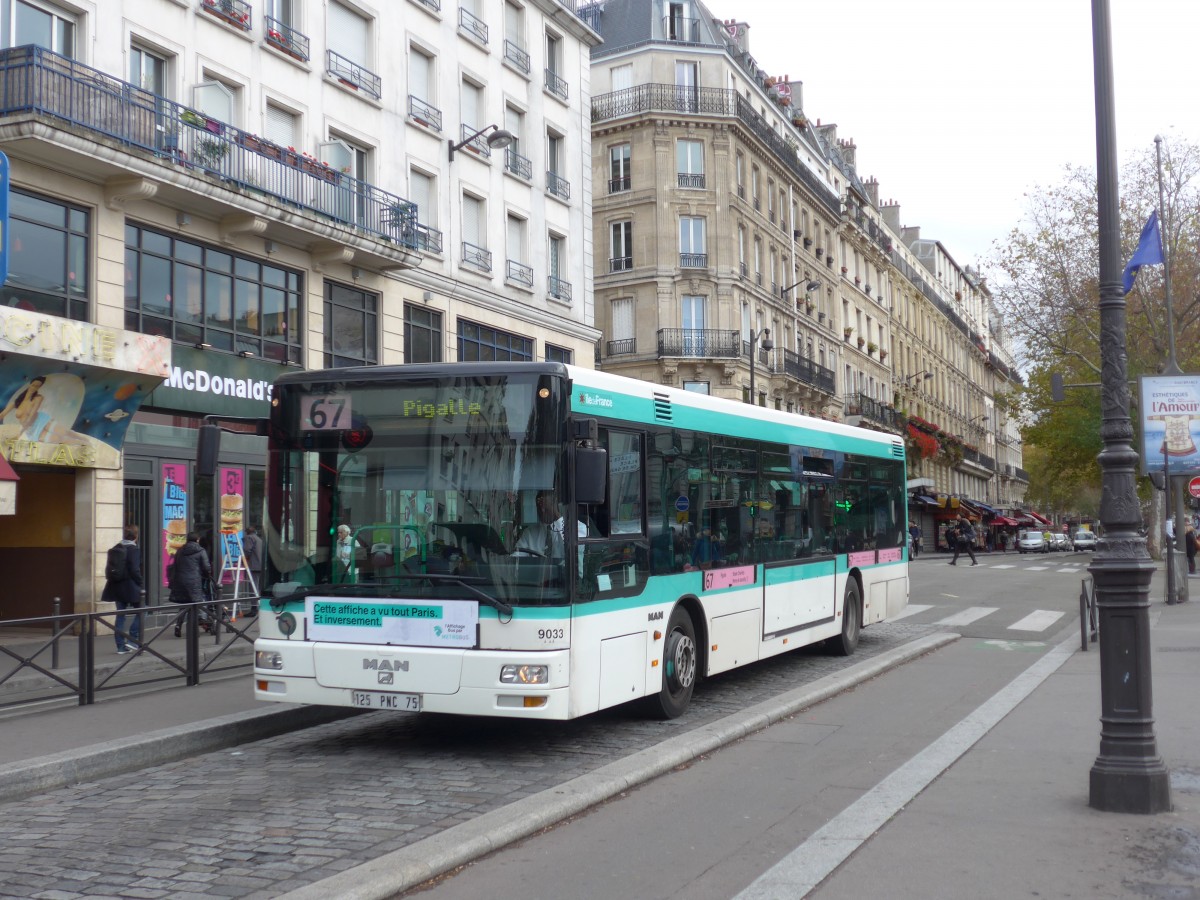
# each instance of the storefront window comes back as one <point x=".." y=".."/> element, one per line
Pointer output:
<point x="199" y="295"/>
<point x="48" y="257"/>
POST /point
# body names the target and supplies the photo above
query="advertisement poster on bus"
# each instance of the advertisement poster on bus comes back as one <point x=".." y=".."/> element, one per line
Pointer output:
<point x="1170" y="414"/>
<point x="233" y="504"/>
<point x="174" y="512"/>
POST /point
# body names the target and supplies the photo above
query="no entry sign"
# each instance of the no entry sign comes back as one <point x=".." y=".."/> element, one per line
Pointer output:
<point x="1194" y="487"/>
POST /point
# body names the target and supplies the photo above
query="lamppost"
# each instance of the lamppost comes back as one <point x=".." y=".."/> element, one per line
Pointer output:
<point x="497" y="140"/>
<point x="909" y="379"/>
<point x="767" y="344"/>
<point x="1128" y="775"/>
<point x="809" y="287"/>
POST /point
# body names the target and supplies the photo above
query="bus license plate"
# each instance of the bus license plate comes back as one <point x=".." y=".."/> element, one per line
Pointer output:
<point x="380" y="700"/>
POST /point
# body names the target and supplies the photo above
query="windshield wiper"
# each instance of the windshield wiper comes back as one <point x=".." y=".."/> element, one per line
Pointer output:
<point x="379" y="589"/>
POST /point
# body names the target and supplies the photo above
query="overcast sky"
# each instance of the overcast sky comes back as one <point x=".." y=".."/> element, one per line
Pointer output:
<point x="958" y="107"/>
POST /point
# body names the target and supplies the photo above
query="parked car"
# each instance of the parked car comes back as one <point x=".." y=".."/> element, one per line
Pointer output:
<point x="1062" y="542"/>
<point x="1085" y="540"/>
<point x="1032" y="541"/>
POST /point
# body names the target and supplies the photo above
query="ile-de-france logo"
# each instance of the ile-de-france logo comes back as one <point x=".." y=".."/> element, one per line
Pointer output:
<point x="586" y="399"/>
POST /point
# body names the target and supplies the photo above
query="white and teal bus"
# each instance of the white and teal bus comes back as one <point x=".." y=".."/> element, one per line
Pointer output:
<point x="543" y="541"/>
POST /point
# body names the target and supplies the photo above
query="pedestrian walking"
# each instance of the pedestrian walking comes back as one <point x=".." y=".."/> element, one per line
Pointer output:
<point x="187" y="576"/>
<point x="123" y="588"/>
<point x="914" y="532"/>
<point x="1189" y="544"/>
<point x="252" y="551"/>
<point x="965" y="540"/>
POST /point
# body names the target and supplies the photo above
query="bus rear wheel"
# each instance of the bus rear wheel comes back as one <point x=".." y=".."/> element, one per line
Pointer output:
<point x="847" y="642"/>
<point x="679" y="667"/>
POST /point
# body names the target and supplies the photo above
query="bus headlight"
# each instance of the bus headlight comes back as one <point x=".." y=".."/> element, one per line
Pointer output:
<point x="524" y="674"/>
<point x="268" y="659"/>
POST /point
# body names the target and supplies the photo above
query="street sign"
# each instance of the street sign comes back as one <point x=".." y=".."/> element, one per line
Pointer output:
<point x="682" y="503"/>
<point x="3" y="218"/>
<point x="1194" y="487"/>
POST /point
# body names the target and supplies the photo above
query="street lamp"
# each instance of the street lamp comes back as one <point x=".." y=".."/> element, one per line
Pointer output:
<point x="920" y="375"/>
<point x="808" y="288"/>
<point x="1128" y="774"/>
<point x="767" y="344"/>
<point x="497" y="140"/>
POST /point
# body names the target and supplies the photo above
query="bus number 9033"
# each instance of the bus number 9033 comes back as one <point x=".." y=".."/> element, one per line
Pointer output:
<point x="551" y="634"/>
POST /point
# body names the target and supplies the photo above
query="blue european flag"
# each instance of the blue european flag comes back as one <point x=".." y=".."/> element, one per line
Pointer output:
<point x="1148" y="253"/>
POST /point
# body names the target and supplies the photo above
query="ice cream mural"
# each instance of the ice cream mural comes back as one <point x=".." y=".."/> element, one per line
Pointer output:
<point x="174" y="512"/>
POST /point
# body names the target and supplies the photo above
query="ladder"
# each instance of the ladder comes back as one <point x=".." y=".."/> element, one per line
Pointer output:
<point x="233" y="560"/>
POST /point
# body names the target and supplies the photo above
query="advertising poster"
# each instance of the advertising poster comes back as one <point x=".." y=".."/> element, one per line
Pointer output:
<point x="1170" y="414"/>
<point x="232" y="511"/>
<point x="174" y="512"/>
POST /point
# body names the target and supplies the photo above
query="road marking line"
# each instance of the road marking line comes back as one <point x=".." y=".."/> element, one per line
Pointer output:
<point x="833" y="843"/>
<point x="968" y="615"/>
<point x="911" y="610"/>
<point x="1038" y="620"/>
<point x="1004" y="566"/>
<point x="1036" y="568"/>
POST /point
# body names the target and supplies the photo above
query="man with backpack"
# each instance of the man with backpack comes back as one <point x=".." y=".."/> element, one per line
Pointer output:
<point x="123" y="587"/>
<point x="190" y="576"/>
<point x="966" y="541"/>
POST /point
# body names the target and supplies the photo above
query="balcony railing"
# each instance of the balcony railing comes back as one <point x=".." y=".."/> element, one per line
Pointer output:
<point x="518" y="273"/>
<point x="435" y="5"/>
<point x="871" y="409"/>
<point x="429" y="239"/>
<point x="764" y="356"/>
<point x="235" y="12"/>
<point x="620" y="264"/>
<point x="706" y="343"/>
<point x="517" y="56"/>
<point x="35" y="80"/>
<point x="518" y="165"/>
<point x="681" y="28"/>
<point x="1021" y="474"/>
<point x="479" y="257"/>
<point x="472" y="25"/>
<point x="691" y="181"/>
<point x="286" y="38"/>
<point x="477" y="144"/>
<point x="693" y="260"/>
<point x="803" y="369"/>
<point x="556" y="85"/>
<point x="623" y="347"/>
<point x="424" y="113"/>
<point x="353" y="75"/>
<point x="559" y="288"/>
<point x="670" y="98"/>
<point x="743" y="269"/>
<point x="558" y="186"/>
<point x="617" y="185"/>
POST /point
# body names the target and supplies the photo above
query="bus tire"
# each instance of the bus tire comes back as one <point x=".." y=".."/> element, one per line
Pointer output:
<point x="680" y="657"/>
<point x="847" y="642"/>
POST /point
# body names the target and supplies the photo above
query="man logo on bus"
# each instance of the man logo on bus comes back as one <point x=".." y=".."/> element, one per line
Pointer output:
<point x="385" y="665"/>
<point x="586" y="399"/>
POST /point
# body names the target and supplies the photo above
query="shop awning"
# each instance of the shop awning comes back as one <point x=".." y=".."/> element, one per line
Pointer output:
<point x="1040" y="518"/>
<point x="983" y="507"/>
<point x="1005" y="520"/>
<point x="923" y="500"/>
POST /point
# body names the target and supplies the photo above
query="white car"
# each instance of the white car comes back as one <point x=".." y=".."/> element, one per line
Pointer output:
<point x="1032" y="542"/>
<point x="1085" y="540"/>
<point x="1061" y="542"/>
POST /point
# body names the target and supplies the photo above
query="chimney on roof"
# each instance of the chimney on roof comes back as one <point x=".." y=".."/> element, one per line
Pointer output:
<point x="891" y="216"/>
<point x="849" y="151"/>
<point x="829" y="132"/>
<point x="910" y="234"/>
<point x="872" y="187"/>
<point x="739" y="32"/>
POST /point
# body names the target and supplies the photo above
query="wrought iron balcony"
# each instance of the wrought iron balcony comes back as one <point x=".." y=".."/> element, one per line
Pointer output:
<point x="556" y="85"/>
<point x="286" y="38"/>
<point x="617" y="185"/>
<point x="518" y="273"/>
<point x="429" y="239"/>
<point x="803" y="369"/>
<point x="36" y="81"/>
<point x="479" y="257"/>
<point x="705" y="343"/>
<point x="472" y="25"/>
<point x="558" y="186"/>
<point x="424" y="113"/>
<point x="620" y="264"/>
<point x="435" y="5"/>
<point x="353" y="75"/>
<point x="623" y="347"/>
<point x="691" y="181"/>
<point x="693" y="260"/>
<point x="235" y="12"/>
<point x="478" y="143"/>
<point x="518" y="165"/>
<point x="558" y="288"/>
<point x="874" y="411"/>
<point x="516" y="55"/>
<point x="743" y="270"/>
<point x="712" y="102"/>
<point x="764" y="356"/>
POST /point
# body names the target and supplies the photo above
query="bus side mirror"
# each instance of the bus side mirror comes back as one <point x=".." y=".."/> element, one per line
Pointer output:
<point x="591" y="475"/>
<point x="208" y="450"/>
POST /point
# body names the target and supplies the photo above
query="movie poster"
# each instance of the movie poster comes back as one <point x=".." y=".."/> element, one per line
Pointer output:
<point x="1170" y="414"/>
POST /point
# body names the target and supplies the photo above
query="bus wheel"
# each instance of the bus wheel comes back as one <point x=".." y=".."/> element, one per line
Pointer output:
<point x="847" y="642"/>
<point x="679" y="667"/>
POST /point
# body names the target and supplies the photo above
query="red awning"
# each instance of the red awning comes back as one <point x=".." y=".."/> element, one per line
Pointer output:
<point x="1004" y="520"/>
<point x="1040" y="518"/>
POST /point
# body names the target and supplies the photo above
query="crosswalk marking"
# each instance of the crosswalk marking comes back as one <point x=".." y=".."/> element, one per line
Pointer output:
<point x="911" y="610"/>
<point x="1038" y="620"/>
<point x="967" y="616"/>
<point x="1005" y="566"/>
<point x="1037" y="569"/>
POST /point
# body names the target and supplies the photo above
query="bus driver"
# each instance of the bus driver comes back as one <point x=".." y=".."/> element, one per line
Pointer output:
<point x="545" y="536"/>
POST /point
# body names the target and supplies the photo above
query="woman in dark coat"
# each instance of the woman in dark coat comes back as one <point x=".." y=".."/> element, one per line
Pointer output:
<point x="189" y="572"/>
<point x="126" y="592"/>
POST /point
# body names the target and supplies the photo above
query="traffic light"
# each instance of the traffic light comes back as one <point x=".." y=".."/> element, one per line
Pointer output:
<point x="1057" y="394"/>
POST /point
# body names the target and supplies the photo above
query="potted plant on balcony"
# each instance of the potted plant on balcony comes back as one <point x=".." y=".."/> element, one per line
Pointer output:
<point x="808" y="243"/>
<point x="861" y="340"/>
<point x="872" y="347"/>
<point x="808" y="307"/>
<point x="845" y="270"/>
<point x="210" y="152"/>
<point x="846" y="332"/>
<point x="882" y="355"/>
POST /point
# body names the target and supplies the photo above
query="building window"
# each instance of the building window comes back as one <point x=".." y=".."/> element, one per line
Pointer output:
<point x="622" y="247"/>
<point x="740" y="175"/>
<point x="559" y="354"/>
<point x="349" y="54"/>
<point x="42" y="24"/>
<point x="689" y="160"/>
<point x="422" y="99"/>
<point x="147" y="70"/>
<point x="623" y="334"/>
<point x="558" y="286"/>
<point x="280" y="126"/>
<point x="482" y="343"/>
<point x="618" y="168"/>
<point x="48" y="269"/>
<point x="692" y="252"/>
<point x="195" y="294"/>
<point x="697" y="387"/>
<point x="474" y="222"/>
<point x="555" y="84"/>
<point x="422" y="334"/>
<point x="351" y="326"/>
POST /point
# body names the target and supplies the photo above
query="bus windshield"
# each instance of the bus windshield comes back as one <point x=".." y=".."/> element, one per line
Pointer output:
<point x="446" y="487"/>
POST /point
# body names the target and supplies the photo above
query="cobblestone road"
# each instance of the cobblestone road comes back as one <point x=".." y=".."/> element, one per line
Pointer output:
<point x="261" y="819"/>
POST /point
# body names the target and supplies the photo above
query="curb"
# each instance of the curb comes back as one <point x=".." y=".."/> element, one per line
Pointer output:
<point x="24" y="779"/>
<point x="415" y="864"/>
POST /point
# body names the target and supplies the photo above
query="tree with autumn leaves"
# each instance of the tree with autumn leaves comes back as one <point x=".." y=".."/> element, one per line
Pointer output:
<point x="1046" y="284"/>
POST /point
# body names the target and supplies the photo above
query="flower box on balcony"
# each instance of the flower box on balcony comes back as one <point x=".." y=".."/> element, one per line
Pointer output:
<point x="861" y="341"/>
<point x="846" y="333"/>
<point x="882" y="355"/>
<point x="845" y="270"/>
<point x="871" y="347"/>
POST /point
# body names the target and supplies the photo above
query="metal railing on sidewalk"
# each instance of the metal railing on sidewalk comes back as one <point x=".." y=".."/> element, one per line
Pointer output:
<point x="30" y="670"/>
<point x="1089" y="620"/>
